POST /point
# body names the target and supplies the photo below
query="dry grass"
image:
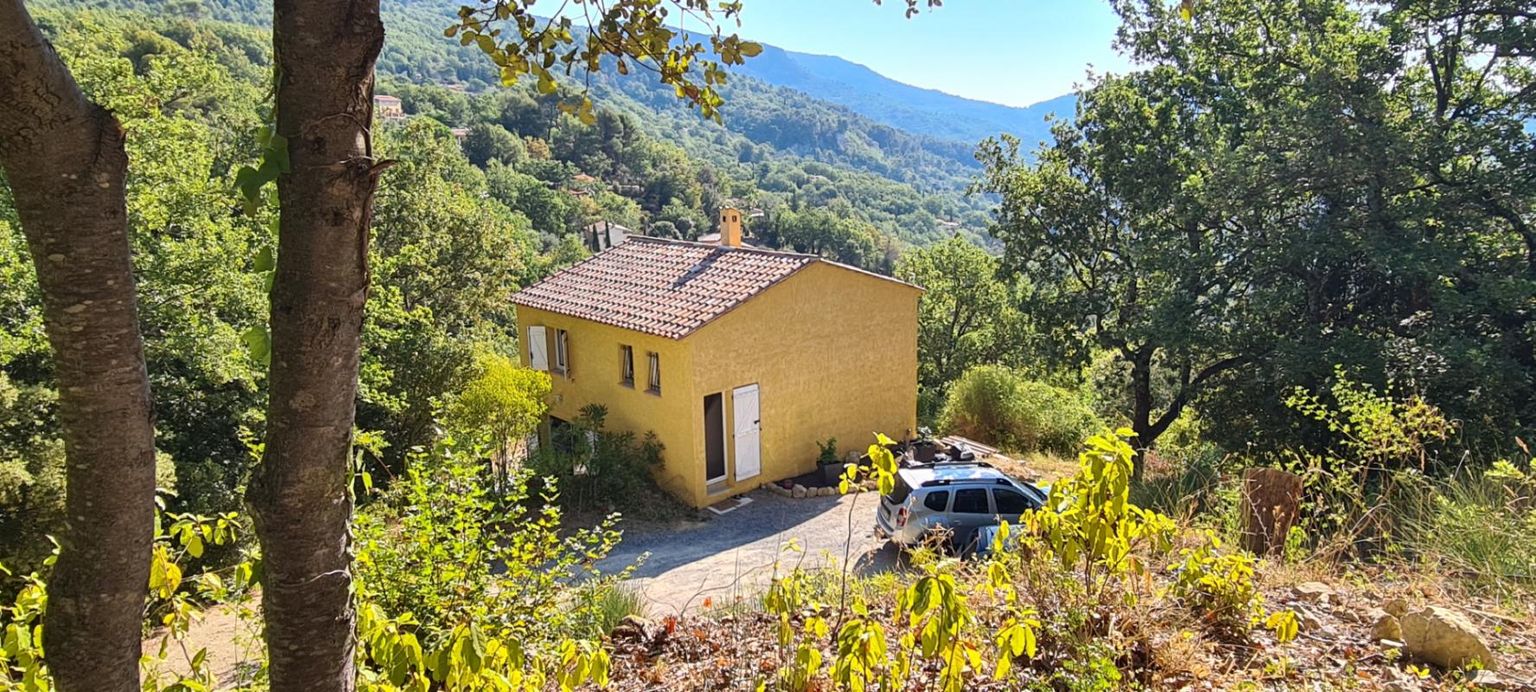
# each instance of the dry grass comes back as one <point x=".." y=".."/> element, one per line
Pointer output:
<point x="1041" y="468"/>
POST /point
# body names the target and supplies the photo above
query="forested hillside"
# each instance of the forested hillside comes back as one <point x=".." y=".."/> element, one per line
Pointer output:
<point x="775" y="139"/>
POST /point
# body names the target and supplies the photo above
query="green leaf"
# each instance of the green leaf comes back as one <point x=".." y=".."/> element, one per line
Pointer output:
<point x="258" y="343"/>
<point x="265" y="261"/>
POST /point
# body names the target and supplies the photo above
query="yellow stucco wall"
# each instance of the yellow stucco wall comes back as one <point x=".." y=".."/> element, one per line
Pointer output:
<point x="594" y="378"/>
<point x="834" y="354"/>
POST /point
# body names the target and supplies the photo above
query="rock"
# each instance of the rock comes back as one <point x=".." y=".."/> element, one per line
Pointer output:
<point x="828" y="492"/>
<point x="1445" y="638"/>
<point x="1309" y="620"/>
<point x="799" y="491"/>
<point x="1312" y="592"/>
<point x="1384" y="625"/>
<point x="1396" y="607"/>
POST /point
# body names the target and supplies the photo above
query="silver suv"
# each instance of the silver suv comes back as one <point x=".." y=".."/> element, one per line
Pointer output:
<point x="957" y="497"/>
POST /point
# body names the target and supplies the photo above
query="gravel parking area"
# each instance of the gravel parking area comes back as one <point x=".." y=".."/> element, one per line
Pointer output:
<point x="735" y="555"/>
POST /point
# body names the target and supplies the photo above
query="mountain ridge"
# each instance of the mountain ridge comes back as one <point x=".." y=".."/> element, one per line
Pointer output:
<point x="919" y="110"/>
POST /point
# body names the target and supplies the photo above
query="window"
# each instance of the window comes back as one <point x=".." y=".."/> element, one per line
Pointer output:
<point x="971" y="501"/>
<point x="627" y="366"/>
<point x="562" y="355"/>
<point x="654" y="386"/>
<point x="937" y="500"/>
<point x="1010" y="503"/>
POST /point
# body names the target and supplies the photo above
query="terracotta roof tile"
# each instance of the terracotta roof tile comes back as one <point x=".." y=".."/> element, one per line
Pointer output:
<point x="663" y="287"/>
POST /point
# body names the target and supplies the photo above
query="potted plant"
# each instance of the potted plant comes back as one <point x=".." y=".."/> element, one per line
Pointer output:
<point x="831" y="467"/>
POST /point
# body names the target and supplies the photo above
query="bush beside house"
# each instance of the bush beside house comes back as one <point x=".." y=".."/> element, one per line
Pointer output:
<point x="999" y="406"/>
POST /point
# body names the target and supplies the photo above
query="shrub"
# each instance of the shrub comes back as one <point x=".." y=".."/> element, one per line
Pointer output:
<point x="1481" y="527"/>
<point x="440" y="546"/>
<point x="596" y="468"/>
<point x="994" y="404"/>
<point x="504" y="402"/>
<point x="462" y="589"/>
<point x="1380" y="448"/>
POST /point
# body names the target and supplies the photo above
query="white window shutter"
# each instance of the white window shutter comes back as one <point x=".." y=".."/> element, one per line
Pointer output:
<point x="538" y="348"/>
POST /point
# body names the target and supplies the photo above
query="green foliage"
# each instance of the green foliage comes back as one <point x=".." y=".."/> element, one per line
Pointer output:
<point x="967" y="315"/>
<point x="502" y="404"/>
<point x="456" y="590"/>
<point x="824" y="232"/>
<point x="1088" y="520"/>
<point x="461" y="588"/>
<point x="1219" y="585"/>
<point x="489" y="142"/>
<point x="1373" y="443"/>
<point x="1481" y="527"/>
<point x="632" y="33"/>
<point x="992" y="403"/>
<point x="827" y="452"/>
<point x="1371" y="429"/>
<point x="173" y="602"/>
<point x="596" y="468"/>
<point x="1207" y="219"/>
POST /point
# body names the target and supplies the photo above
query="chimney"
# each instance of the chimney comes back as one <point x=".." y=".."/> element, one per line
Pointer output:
<point x="730" y="227"/>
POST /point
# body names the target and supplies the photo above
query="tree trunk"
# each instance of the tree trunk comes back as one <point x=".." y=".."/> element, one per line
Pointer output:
<point x="1141" y="410"/>
<point x="63" y="157"/>
<point x="1271" y="504"/>
<point x="299" y="495"/>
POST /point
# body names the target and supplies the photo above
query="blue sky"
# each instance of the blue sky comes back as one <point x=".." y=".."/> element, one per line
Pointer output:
<point x="1015" y="52"/>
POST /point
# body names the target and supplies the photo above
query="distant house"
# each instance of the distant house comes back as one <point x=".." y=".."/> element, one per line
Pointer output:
<point x="739" y="359"/>
<point x="603" y="235"/>
<point x="459" y="134"/>
<point x="388" y="107"/>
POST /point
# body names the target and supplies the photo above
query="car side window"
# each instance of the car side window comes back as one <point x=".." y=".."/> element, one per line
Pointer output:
<point x="937" y="501"/>
<point x="1010" y="502"/>
<point x="971" y="501"/>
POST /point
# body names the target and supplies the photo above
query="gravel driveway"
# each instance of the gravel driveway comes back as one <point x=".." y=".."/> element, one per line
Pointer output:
<point x="734" y="555"/>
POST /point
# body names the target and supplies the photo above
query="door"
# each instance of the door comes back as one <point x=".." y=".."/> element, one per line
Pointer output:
<point x="970" y="511"/>
<point x="714" y="438"/>
<point x="744" y="407"/>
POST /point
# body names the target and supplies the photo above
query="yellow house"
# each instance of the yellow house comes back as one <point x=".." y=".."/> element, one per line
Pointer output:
<point x="739" y="359"/>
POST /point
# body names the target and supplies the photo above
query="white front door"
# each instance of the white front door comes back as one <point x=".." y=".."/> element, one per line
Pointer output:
<point x="749" y="427"/>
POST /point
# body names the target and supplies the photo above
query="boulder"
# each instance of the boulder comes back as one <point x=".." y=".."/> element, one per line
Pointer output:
<point x="828" y="491"/>
<point x="1396" y="607"/>
<point x="798" y="491"/>
<point x="1445" y="638"/>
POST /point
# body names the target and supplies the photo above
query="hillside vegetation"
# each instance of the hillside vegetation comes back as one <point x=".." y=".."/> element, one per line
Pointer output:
<point x="1261" y="314"/>
<point x="911" y="185"/>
